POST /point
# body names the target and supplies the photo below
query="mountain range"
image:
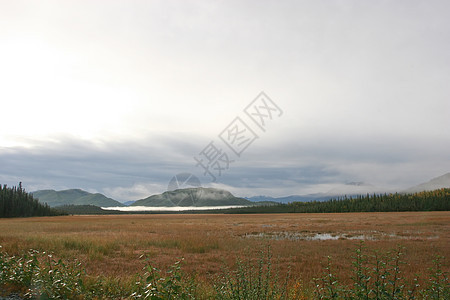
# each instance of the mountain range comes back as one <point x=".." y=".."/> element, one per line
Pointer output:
<point x="215" y="197"/>
<point x="74" y="196"/>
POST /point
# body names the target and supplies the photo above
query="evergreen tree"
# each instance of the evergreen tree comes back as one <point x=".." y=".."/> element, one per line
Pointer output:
<point x="16" y="202"/>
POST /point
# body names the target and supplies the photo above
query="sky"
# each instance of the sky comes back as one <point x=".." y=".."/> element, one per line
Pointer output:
<point x="118" y="97"/>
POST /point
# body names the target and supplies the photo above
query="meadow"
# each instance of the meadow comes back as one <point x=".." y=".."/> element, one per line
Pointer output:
<point x="113" y="246"/>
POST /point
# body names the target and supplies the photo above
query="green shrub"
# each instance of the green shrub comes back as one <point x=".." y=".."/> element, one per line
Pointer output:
<point x="379" y="276"/>
<point x="155" y="284"/>
<point x="438" y="283"/>
<point x="252" y="281"/>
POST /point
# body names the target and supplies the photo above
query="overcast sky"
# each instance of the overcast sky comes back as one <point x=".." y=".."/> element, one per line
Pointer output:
<point x="118" y="97"/>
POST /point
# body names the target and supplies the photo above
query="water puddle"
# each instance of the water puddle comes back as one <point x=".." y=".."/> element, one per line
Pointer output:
<point x="317" y="236"/>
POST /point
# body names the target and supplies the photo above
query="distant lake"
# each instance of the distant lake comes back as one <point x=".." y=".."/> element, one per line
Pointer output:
<point x="169" y="208"/>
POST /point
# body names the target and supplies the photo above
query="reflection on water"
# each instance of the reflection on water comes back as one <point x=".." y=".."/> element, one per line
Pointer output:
<point x="169" y="208"/>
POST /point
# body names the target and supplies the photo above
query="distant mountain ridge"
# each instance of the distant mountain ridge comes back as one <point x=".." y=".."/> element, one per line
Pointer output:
<point x="74" y="197"/>
<point x="291" y="198"/>
<point x="442" y="181"/>
<point x="352" y="189"/>
<point x="193" y="197"/>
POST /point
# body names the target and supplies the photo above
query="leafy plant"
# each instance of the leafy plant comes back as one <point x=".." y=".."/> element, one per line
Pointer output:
<point x="328" y="287"/>
<point x="155" y="284"/>
<point x="438" y="283"/>
<point x="252" y="280"/>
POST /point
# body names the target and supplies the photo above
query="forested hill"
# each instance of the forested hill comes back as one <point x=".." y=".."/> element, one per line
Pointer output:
<point x="193" y="197"/>
<point x="16" y="202"/>
<point x="74" y="197"/>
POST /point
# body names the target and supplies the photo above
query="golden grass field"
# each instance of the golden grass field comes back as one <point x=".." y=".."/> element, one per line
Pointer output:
<point x="112" y="245"/>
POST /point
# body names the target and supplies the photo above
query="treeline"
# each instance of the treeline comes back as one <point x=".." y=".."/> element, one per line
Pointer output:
<point x="437" y="200"/>
<point x="16" y="202"/>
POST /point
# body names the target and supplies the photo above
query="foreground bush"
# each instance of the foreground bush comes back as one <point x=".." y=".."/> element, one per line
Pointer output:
<point x="38" y="275"/>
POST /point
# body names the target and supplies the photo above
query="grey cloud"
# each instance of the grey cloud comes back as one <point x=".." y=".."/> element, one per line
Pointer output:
<point x="77" y="164"/>
<point x="131" y="169"/>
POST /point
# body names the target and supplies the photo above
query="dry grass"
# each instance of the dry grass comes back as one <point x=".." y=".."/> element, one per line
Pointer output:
<point x="111" y="245"/>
